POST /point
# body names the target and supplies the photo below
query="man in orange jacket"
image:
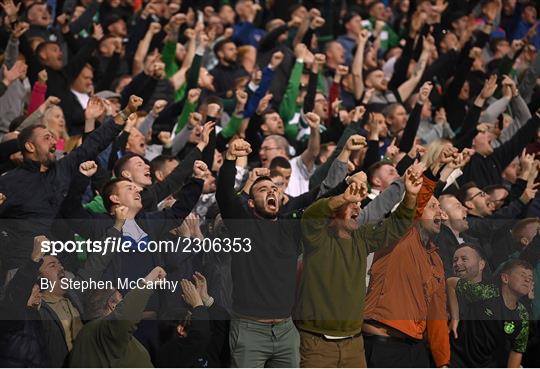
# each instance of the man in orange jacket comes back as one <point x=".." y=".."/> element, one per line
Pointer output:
<point x="405" y="309"/>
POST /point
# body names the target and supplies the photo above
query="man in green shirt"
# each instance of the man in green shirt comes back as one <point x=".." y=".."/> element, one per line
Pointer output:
<point x="332" y="288"/>
<point x="496" y="329"/>
<point x="107" y="340"/>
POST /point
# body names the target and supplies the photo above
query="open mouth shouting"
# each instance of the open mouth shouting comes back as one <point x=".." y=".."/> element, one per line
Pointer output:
<point x="272" y="203"/>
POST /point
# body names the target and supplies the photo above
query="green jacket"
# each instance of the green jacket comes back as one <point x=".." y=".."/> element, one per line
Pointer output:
<point x="109" y="342"/>
<point x="333" y="285"/>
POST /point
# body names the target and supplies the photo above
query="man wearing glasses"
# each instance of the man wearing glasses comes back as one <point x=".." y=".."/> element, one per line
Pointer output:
<point x="488" y="225"/>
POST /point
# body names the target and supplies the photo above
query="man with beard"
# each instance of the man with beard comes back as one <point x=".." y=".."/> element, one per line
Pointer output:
<point x="495" y="331"/>
<point x="453" y="231"/>
<point x="469" y="263"/>
<point x="227" y="70"/>
<point x="406" y="298"/>
<point x="336" y="248"/>
<point x="264" y="271"/>
<point x="36" y="190"/>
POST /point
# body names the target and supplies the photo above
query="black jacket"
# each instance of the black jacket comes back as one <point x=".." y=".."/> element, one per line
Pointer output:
<point x="447" y="244"/>
<point x="34" y="197"/>
<point x="59" y="81"/>
<point x="224" y="77"/>
<point x="486" y="170"/>
<point x="489" y="231"/>
<point x="22" y="336"/>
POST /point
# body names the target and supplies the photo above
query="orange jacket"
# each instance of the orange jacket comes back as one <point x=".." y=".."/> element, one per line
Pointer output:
<point x="407" y="288"/>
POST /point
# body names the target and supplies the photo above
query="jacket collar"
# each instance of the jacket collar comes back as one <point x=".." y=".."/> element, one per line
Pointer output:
<point x="34" y="166"/>
<point x="31" y="165"/>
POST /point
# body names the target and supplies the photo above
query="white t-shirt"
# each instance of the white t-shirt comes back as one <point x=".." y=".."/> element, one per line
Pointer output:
<point x="300" y="174"/>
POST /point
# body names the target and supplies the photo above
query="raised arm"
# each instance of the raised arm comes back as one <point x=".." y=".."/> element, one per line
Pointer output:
<point x="287" y="107"/>
<point x="520" y="111"/>
<point x="99" y="139"/>
<point x="339" y="167"/>
<point x="77" y="63"/>
<point x="358" y="65"/>
<point x="314" y="143"/>
<point x="406" y="89"/>
<point x="228" y="201"/>
<point x="143" y="47"/>
<point x="353" y="128"/>
<point x="409" y="134"/>
<point x="383" y="204"/>
<point x="510" y="149"/>
<point x="393" y="228"/>
<point x="120" y="325"/>
<point x="160" y="190"/>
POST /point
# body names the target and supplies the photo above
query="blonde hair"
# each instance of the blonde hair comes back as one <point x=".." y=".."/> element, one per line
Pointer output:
<point x="434" y="150"/>
<point x="45" y="120"/>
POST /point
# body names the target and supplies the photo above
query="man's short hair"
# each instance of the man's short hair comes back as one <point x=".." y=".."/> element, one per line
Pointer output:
<point x="121" y="163"/>
<point x="259" y="179"/>
<point x="476" y="248"/>
<point x="329" y="44"/>
<point x="494" y="42"/>
<point x="280" y="162"/>
<point x="275" y="173"/>
<point x="462" y="194"/>
<point x="370" y="6"/>
<point x="510" y="265"/>
<point x="109" y="189"/>
<point x="280" y="141"/>
<point x="95" y="301"/>
<point x="30" y="6"/>
<point x="266" y="113"/>
<point x="374" y="168"/>
<point x="159" y="162"/>
<point x="220" y="44"/>
<point x="348" y="17"/>
<point x="212" y="99"/>
<point x="520" y="226"/>
<point x="389" y="110"/>
<point x="27" y="135"/>
<point x="294" y="7"/>
<point x="492" y="188"/>
<point x="368" y="71"/>
<point x="43" y="45"/>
